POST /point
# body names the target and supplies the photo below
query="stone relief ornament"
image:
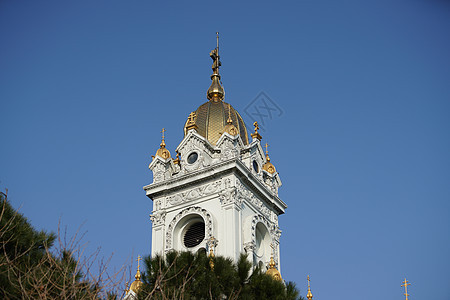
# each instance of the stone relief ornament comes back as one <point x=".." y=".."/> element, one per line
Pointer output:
<point x="158" y="218"/>
<point x="195" y="193"/>
<point x="158" y="173"/>
<point x="190" y="210"/>
<point x="249" y="247"/>
<point x="228" y="150"/>
<point x="158" y="205"/>
<point x="228" y="196"/>
<point x="245" y="194"/>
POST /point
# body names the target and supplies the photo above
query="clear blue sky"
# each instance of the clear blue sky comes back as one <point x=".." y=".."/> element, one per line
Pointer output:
<point x="362" y="146"/>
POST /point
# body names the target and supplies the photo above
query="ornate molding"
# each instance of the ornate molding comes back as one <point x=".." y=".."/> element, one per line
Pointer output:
<point x="228" y="149"/>
<point x="195" y="193"/>
<point x="190" y="210"/>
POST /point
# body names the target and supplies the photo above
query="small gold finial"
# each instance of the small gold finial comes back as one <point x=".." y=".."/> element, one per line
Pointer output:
<point x="177" y="160"/>
<point x="256" y="134"/>
<point x="309" y="295"/>
<point x="268" y="166"/>
<point x="212" y="242"/>
<point x="229" y="121"/>
<point x="162" y="151"/>
<point x="272" y="271"/>
<point x="405" y="284"/>
<point x="137" y="284"/>
<point x="230" y="128"/>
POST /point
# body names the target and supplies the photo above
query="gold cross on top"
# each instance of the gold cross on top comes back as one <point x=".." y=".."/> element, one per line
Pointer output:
<point x="267" y="145"/>
<point x="405" y="284"/>
<point x="162" y="131"/>
<point x="256" y="126"/>
<point x="191" y="117"/>
<point x="139" y="258"/>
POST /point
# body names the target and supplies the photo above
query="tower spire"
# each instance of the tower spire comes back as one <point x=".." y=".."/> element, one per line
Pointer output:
<point x="163" y="143"/>
<point x="309" y="295"/>
<point x="215" y="92"/>
<point x="405" y="284"/>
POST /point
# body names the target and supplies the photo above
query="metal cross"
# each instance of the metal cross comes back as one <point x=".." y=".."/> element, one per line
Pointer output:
<point x="191" y="117"/>
<point x="267" y="145"/>
<point x="256" y="126"/>
<point x="405" y="284"/>
<point x="162" y="131"/>
<point x="138" y="260"/>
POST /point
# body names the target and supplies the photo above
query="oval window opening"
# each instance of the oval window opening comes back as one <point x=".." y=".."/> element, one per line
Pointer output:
<point x="194" y="235"/>
<point x="192" y="158"/>
<point x="255" y="166"/>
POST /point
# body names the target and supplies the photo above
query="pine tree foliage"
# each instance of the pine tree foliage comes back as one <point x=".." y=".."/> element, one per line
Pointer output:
<point x="184" y="275"/>
<point x="29" y="270"/>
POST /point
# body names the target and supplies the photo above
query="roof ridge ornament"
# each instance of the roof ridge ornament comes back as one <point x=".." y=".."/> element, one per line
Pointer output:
<point x="268" y="166"/>
<point x="215" y="92"/>
<point x="162" y="151"/>
<point x="163" y="143"/>
<point x="256" y="134"/>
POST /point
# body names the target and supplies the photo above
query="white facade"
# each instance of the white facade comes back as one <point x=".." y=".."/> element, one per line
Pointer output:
<point x="226" y="189"/>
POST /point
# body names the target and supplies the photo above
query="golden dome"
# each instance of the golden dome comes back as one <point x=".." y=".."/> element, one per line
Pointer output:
<point x="211" y="121"/>
<point x="162" y="151"/>
<point x="272" y="271"/>
<point x="137" y="284"/>
<point x="215" y="117"/>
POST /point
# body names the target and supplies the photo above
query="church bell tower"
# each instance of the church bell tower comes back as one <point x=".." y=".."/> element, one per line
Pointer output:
<point x="220" y="193"/>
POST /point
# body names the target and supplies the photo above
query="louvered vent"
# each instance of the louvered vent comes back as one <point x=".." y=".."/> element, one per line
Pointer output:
<point x="194" y="235"/>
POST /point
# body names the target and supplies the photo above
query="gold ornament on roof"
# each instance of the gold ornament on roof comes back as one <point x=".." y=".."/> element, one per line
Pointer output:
<point x="268" y="166"/>
<point x="177" y="160"/>
<point x="137" y="283"/>
<point x="405" y="284"/>
<point x="212" y="242"/>
<point x="256" y="134"/>
<point x="215" y="92"/>
<point x="162" y="151"/>
<point x="309" y="295"/>
<point x="190" y="124"/>
<point x="211" y="118"/>
<point x="230" y="128"/>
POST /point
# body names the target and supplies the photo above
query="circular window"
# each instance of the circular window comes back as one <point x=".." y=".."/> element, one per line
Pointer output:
<point x="192" y="158"/>
<point x="194" y="234"/>
<point x="255" y="166"/>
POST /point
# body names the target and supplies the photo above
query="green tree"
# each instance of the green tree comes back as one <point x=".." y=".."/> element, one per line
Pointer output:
<point x="184" y="275"/>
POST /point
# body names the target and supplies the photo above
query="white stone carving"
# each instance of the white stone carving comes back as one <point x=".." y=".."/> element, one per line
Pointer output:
<point x="195" y="193"/>
<point x="246" y="194"/>
<point x="158" y="218"/>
